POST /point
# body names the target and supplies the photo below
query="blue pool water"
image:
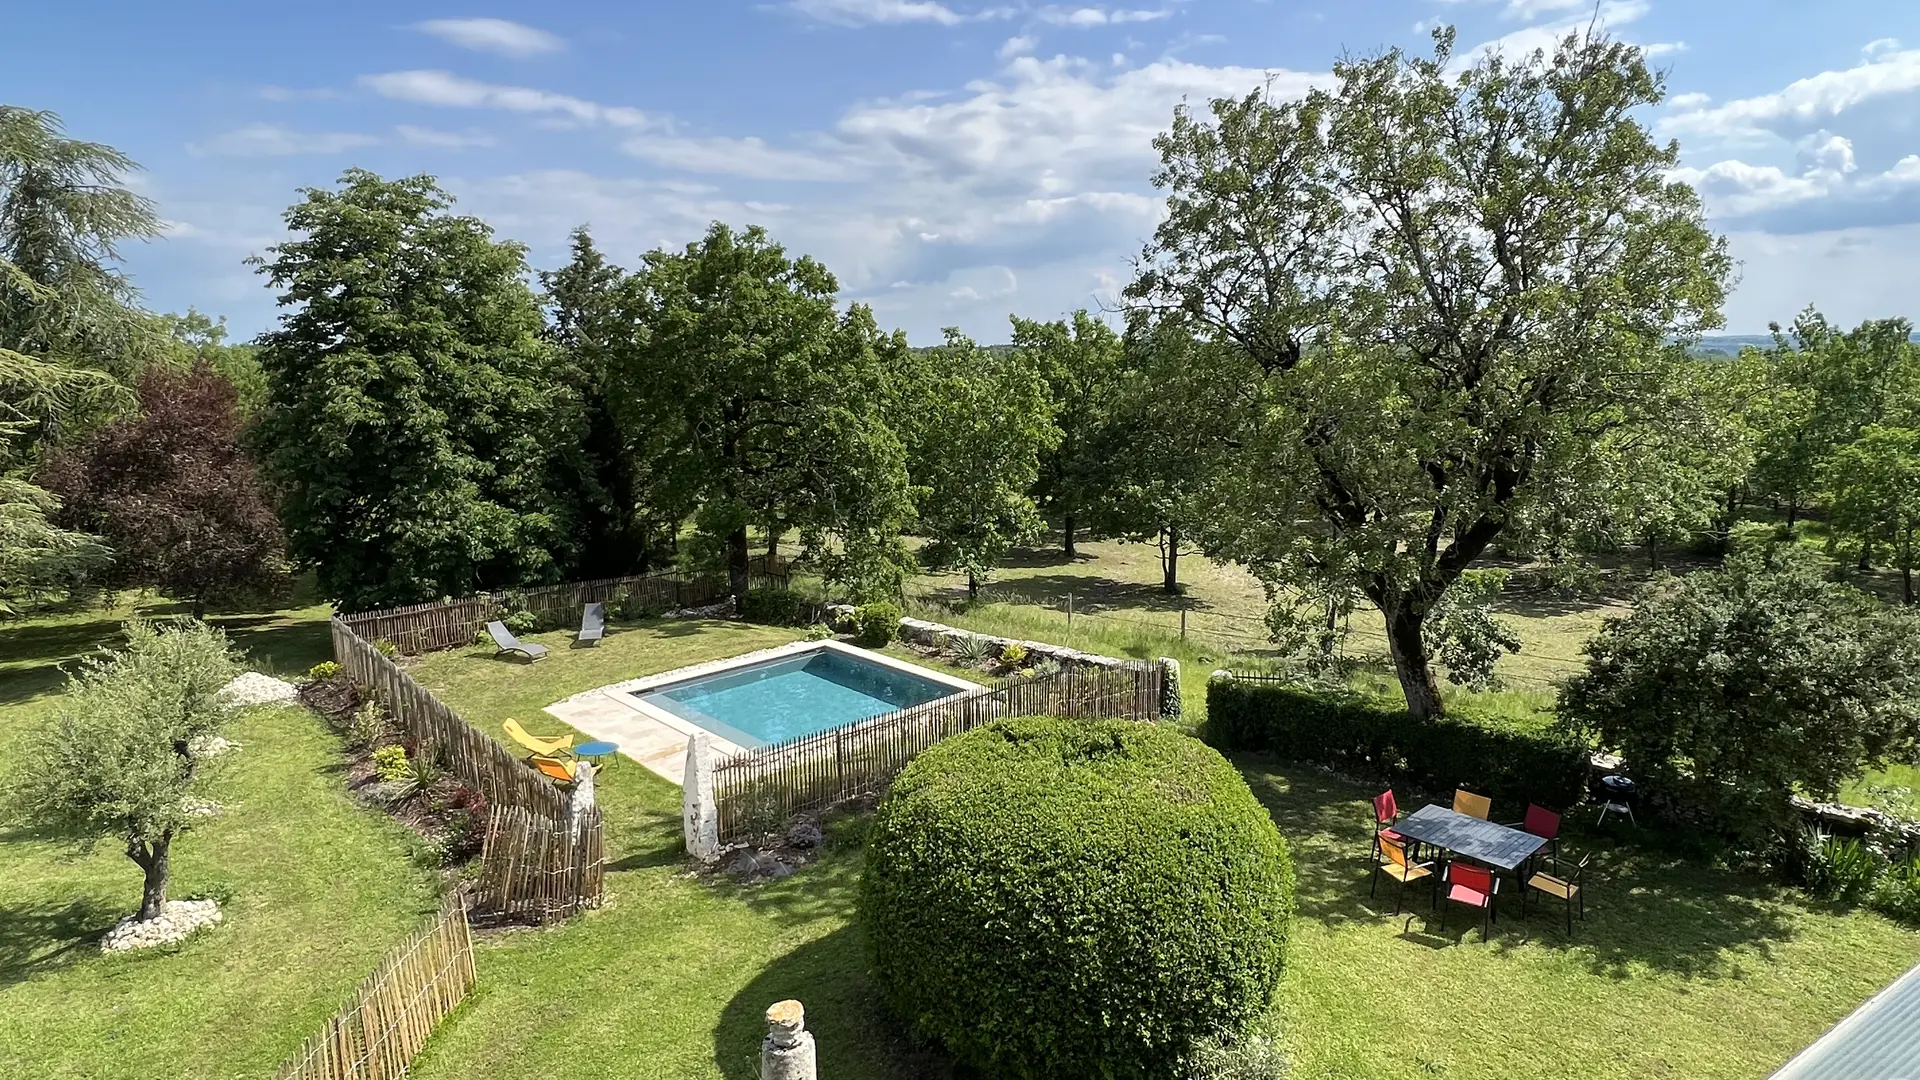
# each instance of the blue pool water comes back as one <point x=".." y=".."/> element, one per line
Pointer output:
<point x="770" y="702"/>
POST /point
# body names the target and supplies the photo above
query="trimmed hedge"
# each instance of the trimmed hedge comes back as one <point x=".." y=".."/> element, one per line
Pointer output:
<point x="1511" y="766"/>
<point x="1072" y="898"/>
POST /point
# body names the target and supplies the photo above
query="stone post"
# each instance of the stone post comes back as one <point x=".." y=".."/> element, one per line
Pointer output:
<point x="581" y="799"/>
<point x="699" y="814"/>
<point x="1169" y="688"/>
<point x="787" y="1053"/>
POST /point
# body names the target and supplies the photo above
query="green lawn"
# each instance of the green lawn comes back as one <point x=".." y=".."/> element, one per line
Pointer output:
<point x="314" y="890"/>
<point x="670" y="978"/>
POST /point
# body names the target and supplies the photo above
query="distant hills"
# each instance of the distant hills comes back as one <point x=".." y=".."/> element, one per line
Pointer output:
<point x="1731" y="344"/>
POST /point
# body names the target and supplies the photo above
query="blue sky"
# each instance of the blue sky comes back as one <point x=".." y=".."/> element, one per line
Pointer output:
<point x="950" y="160"/>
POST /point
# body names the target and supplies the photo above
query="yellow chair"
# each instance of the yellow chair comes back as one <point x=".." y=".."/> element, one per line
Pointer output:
<point x="553" y="768"/>
<point x="1394" y="863"/>
<point x="1466" y="802"/>
<point x="549" y="745"/>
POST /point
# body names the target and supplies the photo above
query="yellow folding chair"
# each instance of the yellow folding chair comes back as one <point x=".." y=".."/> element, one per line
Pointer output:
<point x="553" y="768"/>
<point x="1466" y="802"/>
<point x="547" y="745"/>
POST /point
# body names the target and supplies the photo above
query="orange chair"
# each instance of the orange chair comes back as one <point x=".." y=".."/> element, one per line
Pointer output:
<point x="1466" y="802"/>
<point x="1394" y="863"/>
<point x="1563" y="885"/>
<point x="560" y="772"/>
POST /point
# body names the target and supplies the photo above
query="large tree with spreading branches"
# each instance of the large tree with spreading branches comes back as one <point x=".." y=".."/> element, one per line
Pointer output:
<point x="1440" y="284"/>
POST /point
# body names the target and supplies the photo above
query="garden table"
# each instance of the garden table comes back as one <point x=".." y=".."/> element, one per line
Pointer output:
<point x="594" y="751"/>
<point x="1469" y="837"/>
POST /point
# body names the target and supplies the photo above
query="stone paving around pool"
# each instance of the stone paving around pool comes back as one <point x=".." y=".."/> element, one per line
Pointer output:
<point x="654" y="739"/>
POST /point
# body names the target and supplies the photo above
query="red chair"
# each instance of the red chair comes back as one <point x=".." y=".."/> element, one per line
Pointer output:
<point x="1474" y="886"/>
<point x="1544" y="824"/>
<point x="1384" y="811"/>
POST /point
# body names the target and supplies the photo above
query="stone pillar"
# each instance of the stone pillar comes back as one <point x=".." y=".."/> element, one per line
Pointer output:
<point x="581" y="799"/>
<point x="787" y="1053"/>
<point x="699" y="814"/>
<point x="1169" y="688"/>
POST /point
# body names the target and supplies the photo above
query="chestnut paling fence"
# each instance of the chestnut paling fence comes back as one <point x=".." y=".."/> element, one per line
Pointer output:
<point x="760" y="790"/>
<point x="387" y="1020"/>
<point x="531" y="869"/>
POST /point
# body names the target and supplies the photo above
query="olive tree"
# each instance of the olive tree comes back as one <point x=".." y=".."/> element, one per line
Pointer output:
<point x="119" y="757"/>
<point x="1441" y="284"/>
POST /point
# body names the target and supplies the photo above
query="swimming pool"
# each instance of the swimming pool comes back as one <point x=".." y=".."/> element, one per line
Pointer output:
<point x="805" y="688"/>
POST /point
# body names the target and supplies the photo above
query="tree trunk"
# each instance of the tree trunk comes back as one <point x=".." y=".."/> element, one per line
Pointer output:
<point x="1066" y="528"/>
<point x="1793" y="514"/>
<point x="1653" y="551"/>
<point x="737" y="562"/>
<point x="1170" y="562"/>
<point x="152" y="858"/>
<point x="973" y="587"/>
<point x="199" y="605"/>
<point x="1407" y="643"/>
<point x="773" y="545"/>
<point x="1866" y="556"/>
<point x="1906" y="582"/>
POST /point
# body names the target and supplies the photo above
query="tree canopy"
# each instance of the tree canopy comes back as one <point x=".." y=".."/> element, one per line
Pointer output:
<point x="1080" y="361"/>
<point x="758" y="402"/>
<point x="411" y="399"/>
<point x="1437" y="294"/>
<point x="175" y="495"/>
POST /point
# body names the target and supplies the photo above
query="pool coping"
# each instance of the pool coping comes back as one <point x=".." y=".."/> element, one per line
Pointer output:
<point x="580" y="710"/>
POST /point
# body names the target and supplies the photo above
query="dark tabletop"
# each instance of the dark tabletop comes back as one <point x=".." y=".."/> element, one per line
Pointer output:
<point x="1481" y="841"/>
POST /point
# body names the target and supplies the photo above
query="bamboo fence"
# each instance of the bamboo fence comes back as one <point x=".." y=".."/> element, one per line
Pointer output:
<point x="387" y="1021"/>
<point x="760" y="790"/>
<point x="533" y="867"/>
<point x="476" y="758"/>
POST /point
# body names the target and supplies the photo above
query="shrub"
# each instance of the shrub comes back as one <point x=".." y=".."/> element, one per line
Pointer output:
<point x="325" y="669"/>
<point x="1897" y="893"/>
<point x="875" y="624"/>
<point x="1253" y="1057"/>
<point x="1012" y="653"/>
<point x="972" y="648"/>
<point x="522" y="622"/>
<point x="819" y="632"/>
<point x="1052" y="897"/>
<point x="1509" y="765"/>
<point x="391" y="766"/>
<point x="1728" y="690"/>
<point x="367" y="723"/>
<point x="629" y="606"/>
<point x="386" y="648"/>
<point x="775" y="606"/>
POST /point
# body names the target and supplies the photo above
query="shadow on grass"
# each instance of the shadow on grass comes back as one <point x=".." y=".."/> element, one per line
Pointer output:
<point x="43" y="937"/>
<point x="1645" y="908"/>
<point x="853" y="1033"/>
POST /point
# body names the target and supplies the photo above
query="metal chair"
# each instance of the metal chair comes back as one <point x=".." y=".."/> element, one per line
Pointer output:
<point x="1385" y="810"/>
<point x="1568" y="887"/>
<point x="1466" y="802"/>
<point x="1544" y="824"/>
<point x="1394" y="863"/>
<point x="1474" y="886"/>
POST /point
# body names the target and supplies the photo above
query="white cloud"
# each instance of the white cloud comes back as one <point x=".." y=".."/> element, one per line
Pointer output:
<point x="1609" y="15"/>
<point x="447" y="89"/>
<point x="272" y="140"/>
<point x="865" y="12"/>
<point x="982" y="283"/>
<point x="443" y="140"/>
<point x="494" y="36"/>
<point x="287" y="93"/>
<point x="1018" y="46"/>
<point x="1526" y="10"/>
<point x="1849" y="274"/>
<point x="1663" y="48"/>
<point x="1098" y="16"/>
<point x="748" y="157"/>
<point x="1880" y="47"/>
<point x="1801" y="105"/>
<point x="1689" y="101"/>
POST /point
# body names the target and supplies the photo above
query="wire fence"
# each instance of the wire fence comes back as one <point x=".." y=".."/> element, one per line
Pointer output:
<point x="1234" y="634"/>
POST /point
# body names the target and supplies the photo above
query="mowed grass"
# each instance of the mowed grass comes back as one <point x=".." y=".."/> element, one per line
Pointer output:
<point x="314" y="889"/>
<point x="671" y="977"/>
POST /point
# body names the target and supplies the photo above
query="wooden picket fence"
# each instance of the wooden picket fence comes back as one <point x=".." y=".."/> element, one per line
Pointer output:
<point x="760" y="790"/>
<point x="445" y="624"/>
<point x="474" y="757"/>
<point x="387" y="1021"/>
<point x="535" y="868"/>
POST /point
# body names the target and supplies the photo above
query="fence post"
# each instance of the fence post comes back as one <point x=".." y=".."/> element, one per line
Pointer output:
<point x="1069" y="611"/>
<point x="699" y="813"/>
<point x="787" y="1053"/>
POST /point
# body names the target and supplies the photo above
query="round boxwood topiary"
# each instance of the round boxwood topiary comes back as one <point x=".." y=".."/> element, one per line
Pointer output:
<point x="1054" y="898"/>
